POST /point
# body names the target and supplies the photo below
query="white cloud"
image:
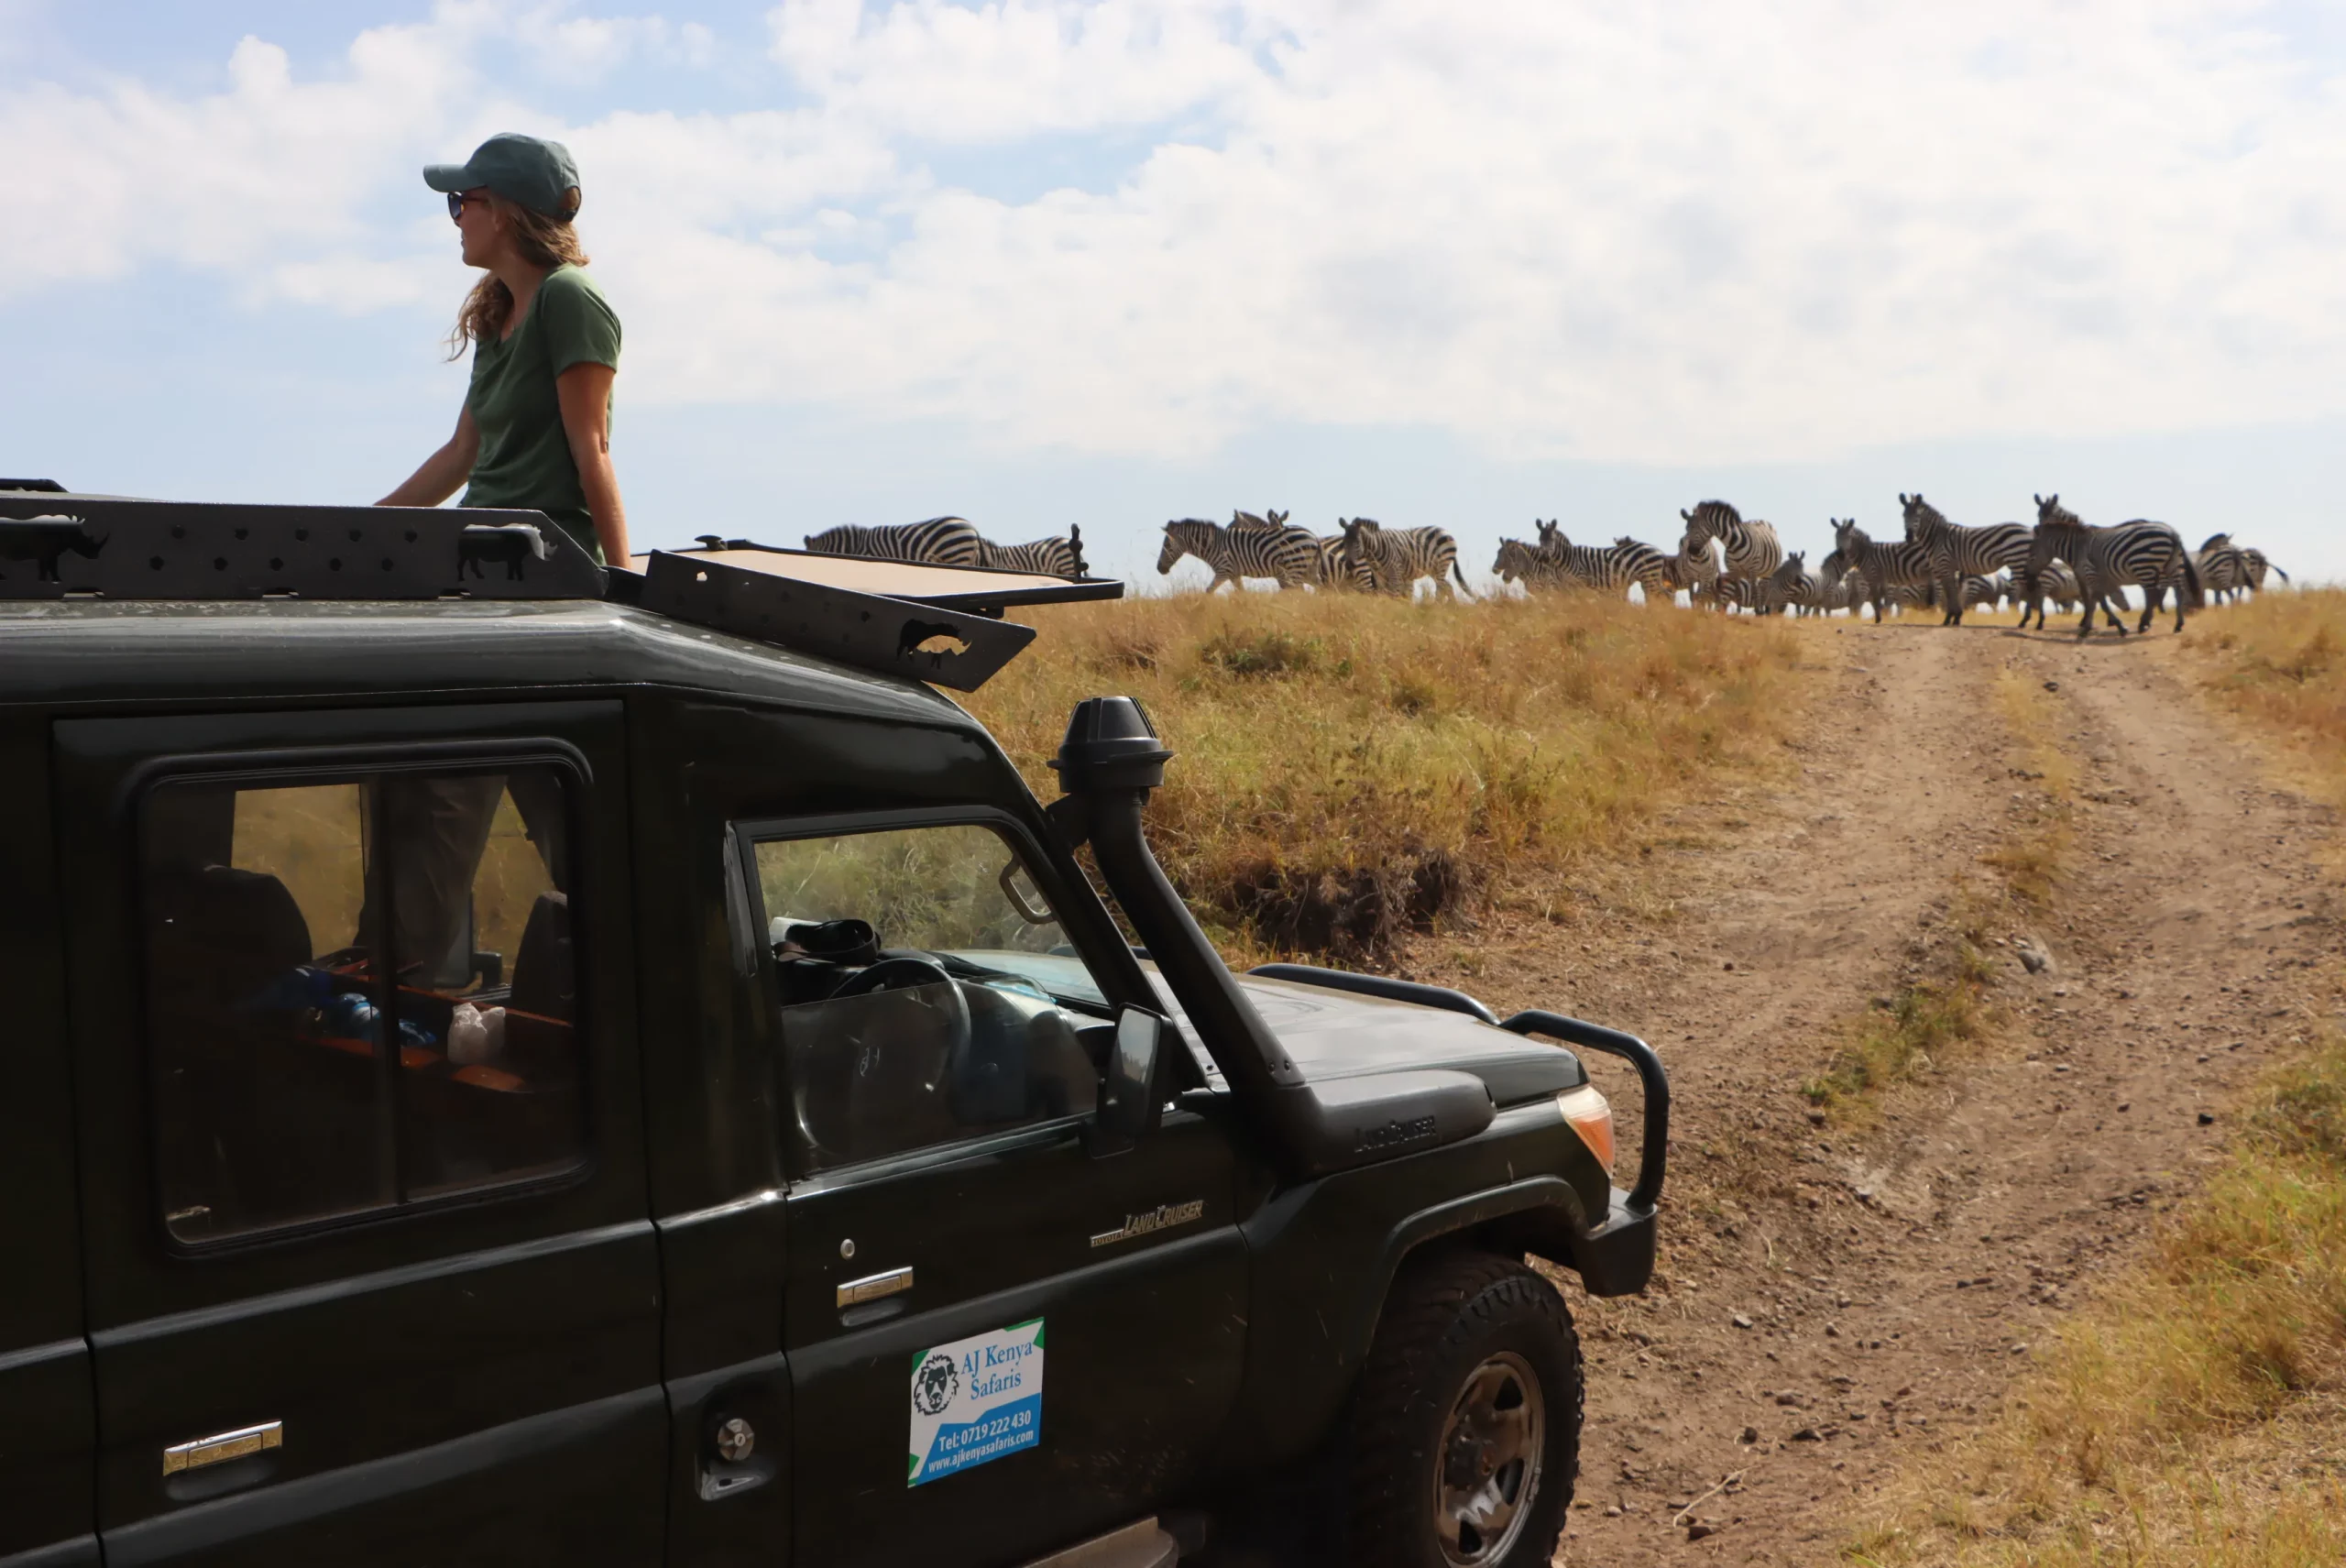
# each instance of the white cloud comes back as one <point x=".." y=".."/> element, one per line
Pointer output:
<point x="1683" y="232"/>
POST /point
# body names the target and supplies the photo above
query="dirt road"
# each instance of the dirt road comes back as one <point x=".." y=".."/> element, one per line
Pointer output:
<point x="1831" y="1299"/>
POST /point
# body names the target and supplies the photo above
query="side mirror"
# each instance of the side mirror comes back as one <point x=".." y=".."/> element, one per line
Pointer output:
<point x="1130" y="1103"/>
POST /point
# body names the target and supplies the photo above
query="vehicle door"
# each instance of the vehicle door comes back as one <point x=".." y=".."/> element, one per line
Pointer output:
<point x="999" y="1342"/>
<point x="370" y="1275"/>
<point x="47" y="1430"/>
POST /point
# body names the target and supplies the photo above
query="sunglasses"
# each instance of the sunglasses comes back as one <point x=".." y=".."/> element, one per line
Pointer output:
<point x="456" y="200"/>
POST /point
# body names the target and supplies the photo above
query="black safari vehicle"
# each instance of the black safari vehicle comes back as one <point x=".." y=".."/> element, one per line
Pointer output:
<point x="512" y="1063"/>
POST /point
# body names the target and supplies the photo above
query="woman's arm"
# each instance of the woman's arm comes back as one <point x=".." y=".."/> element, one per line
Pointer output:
<point x="585" y="391"/>
<point x="444" y="471"/>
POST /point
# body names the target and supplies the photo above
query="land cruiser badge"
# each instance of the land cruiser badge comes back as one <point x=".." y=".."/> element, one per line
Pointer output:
<point x="1165" y="1216"/>
<point x="975" y="1401"/>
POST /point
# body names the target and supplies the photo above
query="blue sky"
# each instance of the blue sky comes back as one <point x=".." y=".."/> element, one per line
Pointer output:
<point x="1053" y="263"/>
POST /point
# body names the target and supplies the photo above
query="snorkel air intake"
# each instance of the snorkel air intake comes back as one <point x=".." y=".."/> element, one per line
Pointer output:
<point x="1109" y="763"/>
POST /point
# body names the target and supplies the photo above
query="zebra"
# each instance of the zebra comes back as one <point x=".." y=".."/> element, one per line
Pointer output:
<point x="1236" y="554"/>
<point x="939" y="541"/>
<point x="2107" y="559"/>
<point x="1521" y="563"/>
<point x="1332" y="568"/>
<point x="1978" y="592"/>
<point x="1395" y="559"/>
<point x="1842" y="585"/>
<point x="1694" y="568"/>
<point x="1888" y="568"/>
<point x="1802" y="591"/>
<point x="1056" y="557"/>
<point x="1957" y="552"/>
<point x="1752" y="548"/>
<point x="2060" y="587"/>
<point x="1608" y="569"/>
<point x="2255" y="566"/>
<point x="1761" y="596"/>
<point x="2223" y="570"/>
<point x="1337" y="568"/>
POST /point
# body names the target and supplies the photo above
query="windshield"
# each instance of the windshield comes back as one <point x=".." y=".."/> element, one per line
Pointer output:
<point x="959" y="892"/>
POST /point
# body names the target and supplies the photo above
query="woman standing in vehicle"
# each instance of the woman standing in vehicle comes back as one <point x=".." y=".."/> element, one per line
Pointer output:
<point x="535" y="428"/>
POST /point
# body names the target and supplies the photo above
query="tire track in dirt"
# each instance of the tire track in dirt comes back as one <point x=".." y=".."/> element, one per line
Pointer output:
<point x="1828" y="1301"/>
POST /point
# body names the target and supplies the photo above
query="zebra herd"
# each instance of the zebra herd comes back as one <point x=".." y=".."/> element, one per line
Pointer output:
<point x="1364" y="556"/>
<point x="1728" y="561"/>
<point x="954" y="542"/>
<point x="1723" y="561"/>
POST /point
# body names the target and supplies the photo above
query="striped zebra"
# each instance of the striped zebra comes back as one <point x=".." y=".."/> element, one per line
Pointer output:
<point x="1841" y="585"/>
<point x="1752" y="548"/>
<point x="2107" y="559"/>
<point x="1395" y="558"/>
<point x="1234" y="554"/>
<point x="1521" y="563"/>
<point x="939" y="541"/>
<point x="1761" y="596"/>
<point x="1802" y="590"/>
<point x="1957" y="552"/>
<point x="1056" y="557"/>
<point x="2255" y="564"/>
<point x="1333" y="567"/>
<point x="1694" y="568"/>
<point x="1893" y="572"/>
<point x="1338" y="570"/>
<point x="1606" y="569"/>
<point x="2059" y="586"/>
<point x="1983" y="593"/>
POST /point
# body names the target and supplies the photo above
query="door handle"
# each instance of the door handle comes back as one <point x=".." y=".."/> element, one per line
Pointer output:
<point x="223" y="1446"/>
<point x="873" y="1287"/>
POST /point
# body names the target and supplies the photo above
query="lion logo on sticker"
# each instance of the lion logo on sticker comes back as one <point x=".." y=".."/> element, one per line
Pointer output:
<point x="935" y="1385"/>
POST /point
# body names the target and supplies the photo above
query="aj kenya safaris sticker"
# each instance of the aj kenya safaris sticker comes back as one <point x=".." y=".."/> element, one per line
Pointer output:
<point x="975" y="1401"/>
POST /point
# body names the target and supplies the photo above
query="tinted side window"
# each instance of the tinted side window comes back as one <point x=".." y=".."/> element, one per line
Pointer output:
<point x="922" y="1002"/>
<point x="360" y="993"/>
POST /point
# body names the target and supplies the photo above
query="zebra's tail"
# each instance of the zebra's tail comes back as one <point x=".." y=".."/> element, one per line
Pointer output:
<point x="2191" y="581"/>
<point x="1454" y="571"/>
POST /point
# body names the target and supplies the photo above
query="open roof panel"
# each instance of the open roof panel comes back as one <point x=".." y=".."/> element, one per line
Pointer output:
<point x="980" y="591"/>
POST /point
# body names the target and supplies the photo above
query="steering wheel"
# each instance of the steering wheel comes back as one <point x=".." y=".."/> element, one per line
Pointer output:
<point x="902" y="974"/>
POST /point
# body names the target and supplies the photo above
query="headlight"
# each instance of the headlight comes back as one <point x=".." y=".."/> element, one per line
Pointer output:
<point x="1587" y="1114"/>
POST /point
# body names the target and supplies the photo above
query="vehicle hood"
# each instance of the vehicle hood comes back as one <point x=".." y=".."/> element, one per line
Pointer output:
<point x="1336" y="1034"/>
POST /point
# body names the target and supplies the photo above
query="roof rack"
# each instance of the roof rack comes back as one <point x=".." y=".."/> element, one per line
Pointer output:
<point x="932" y="623"/>
<point x="56" y="545"/>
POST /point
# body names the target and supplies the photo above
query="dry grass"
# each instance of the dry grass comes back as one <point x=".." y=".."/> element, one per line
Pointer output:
<point x="2192" y="1413"/>
<point x="1352" y="769"/>
<point x="2280" y="662"/>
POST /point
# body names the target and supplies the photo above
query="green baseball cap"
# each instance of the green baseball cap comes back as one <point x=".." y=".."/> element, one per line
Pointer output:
<point x="538" y="174"/>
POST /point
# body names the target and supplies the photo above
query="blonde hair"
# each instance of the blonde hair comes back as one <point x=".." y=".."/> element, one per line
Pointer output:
<point x="543" y="242"/>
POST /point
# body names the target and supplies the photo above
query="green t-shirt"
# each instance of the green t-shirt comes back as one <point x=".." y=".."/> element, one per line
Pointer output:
<point x="525" y="457"/>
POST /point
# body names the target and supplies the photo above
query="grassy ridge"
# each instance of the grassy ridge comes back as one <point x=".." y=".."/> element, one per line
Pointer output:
<point x="1350" y="769"/>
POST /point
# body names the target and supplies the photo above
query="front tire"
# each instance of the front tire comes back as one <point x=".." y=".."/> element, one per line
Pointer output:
<point x="1466" y="1438"/>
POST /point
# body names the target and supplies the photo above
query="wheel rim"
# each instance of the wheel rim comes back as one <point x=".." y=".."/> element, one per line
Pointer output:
<point x="1487" y="1466"/>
